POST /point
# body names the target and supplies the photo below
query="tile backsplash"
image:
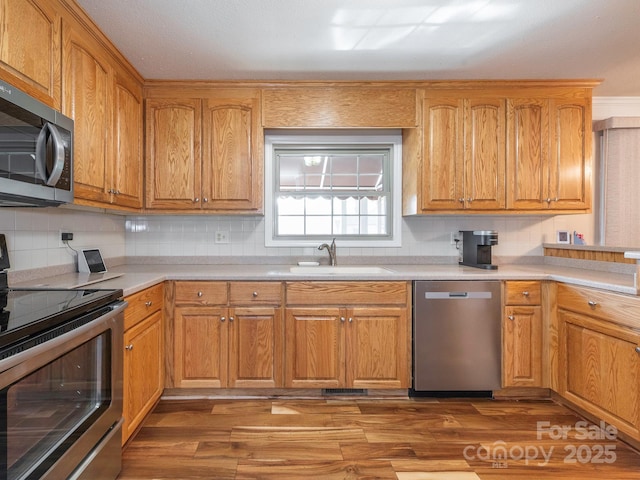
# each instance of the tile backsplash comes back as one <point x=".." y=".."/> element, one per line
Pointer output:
<point x="33" y="236"/>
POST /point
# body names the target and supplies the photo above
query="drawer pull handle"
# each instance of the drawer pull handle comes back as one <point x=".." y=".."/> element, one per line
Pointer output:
<point x="255" y="294"/>
<point x="592" y="304"/>
<point x="222" y="319"/>
<point x="511" y="317"/>
<point x="148" y="304"/>
<point x="231" y="319"/>
<point x="638" y="349"/>
<point x="199" y="294"/>
<point x="129" y="347"/>
<point x="525" y="293"/>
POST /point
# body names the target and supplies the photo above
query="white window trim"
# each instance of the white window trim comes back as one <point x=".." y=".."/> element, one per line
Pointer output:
<point x="335" y="137"/>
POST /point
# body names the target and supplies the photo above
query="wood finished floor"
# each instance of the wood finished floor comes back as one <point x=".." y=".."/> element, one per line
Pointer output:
<point x="403" y="439"/>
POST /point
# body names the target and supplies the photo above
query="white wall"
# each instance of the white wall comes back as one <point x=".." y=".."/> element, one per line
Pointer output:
<point x="33" y="235"/>
<point x="519" y="235"/>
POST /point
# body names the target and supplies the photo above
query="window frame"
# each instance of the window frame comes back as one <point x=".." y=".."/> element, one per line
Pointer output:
<point x="295" y="139"/>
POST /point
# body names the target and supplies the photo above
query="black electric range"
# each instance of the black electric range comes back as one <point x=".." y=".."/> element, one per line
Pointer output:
<point x="25" y="313"/>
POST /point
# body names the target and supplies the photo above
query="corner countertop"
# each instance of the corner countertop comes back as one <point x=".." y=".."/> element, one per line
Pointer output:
<point x="137" y="277"/>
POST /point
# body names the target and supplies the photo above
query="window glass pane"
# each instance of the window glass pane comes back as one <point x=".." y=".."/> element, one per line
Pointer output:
<point x="344" y="182"/>
<point x="333" y="190"/>
<point x="293" y="225"/>
<point x="371" y="205"/>
<point x="318" y="206"/>
<point x="288" y="205"/>
<point x="318" y="225"/>
<point x="373" y="225"/>
<point x="346" y="205"/>
<point x="346" y="225"/>
<point x="343" y="164"/>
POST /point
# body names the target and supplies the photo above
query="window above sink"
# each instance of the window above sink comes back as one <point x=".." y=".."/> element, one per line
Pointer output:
<point x="333" y="184"/>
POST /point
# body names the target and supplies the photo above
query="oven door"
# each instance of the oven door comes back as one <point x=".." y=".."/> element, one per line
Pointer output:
<point x="61" y="404"/>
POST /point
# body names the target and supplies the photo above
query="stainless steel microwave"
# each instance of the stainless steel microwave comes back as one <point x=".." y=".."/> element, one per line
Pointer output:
<point x="36" y="152"/>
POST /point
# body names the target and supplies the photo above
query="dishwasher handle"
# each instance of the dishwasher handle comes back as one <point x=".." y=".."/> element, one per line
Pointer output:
<point x="456" y="295"/>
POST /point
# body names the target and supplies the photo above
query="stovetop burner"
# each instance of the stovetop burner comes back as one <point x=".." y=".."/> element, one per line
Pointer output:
<point x="25" y="312"/>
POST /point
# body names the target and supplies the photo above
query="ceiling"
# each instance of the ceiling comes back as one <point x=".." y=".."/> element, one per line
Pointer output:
<point x="378" y="39"/>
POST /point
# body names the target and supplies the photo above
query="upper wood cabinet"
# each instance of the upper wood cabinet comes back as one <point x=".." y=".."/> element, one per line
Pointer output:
<point x="463" y="154"/>
<point x="339" y="106"/>
<point x="205" y="154"/>
<point x="549" y="154"/>
<point x="498" y="150"/>
<point x="30" y="48"/>
<point x="105" y="102"/>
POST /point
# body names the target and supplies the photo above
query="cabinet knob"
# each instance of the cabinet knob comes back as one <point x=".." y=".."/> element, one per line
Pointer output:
<point x="231" y="319"/>
<point x="117" y="192"/>
<point x="638" y="349"/>
<point x="255" y="294"/>
<point x="511" y="317"/>
<point x="342" y="319"/>
<point x="525" y="293"/>
<point x="350" y="320"/>
<point x="222" y="319"/>
<point x="199" y="294"/>
<point x="592" y="304"/>
<point x="205" y="199"/>
<point x="148" y="304"/>
<point x="110" y="190"/>
<point x="461" y="200"/>
<point x="469" y="199"/>
<point x="129" y="347"/>
<point x="548" y="200"/>
<point x="196" y="200"/>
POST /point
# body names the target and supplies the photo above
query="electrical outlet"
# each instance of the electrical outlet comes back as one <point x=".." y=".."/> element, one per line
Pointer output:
<point x="64" y="236"/>
<point x="222" y="237"/>
<point x="455" y="237"/>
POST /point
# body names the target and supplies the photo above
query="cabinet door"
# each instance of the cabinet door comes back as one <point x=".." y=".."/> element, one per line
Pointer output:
<point x="377" y="348"/>
<point x="569" y="170"/>
<point x="173" y="133"/>
<point x="443" y="164"/>
<point x="87" y="99"/>
<point x="143" y="371"/>
<point x="232" y="154"/>
<point x="201" y="347"/>
<point x="484" y="154"/>
<point x="527" y="153"/>
<point x="522" y="346"/>
<point x="30" y="48"/>
<point x="314" y="348"/>
<point x="126" y="188"/>
<point x="255" y="347"/>
<point x="600" y="369"/>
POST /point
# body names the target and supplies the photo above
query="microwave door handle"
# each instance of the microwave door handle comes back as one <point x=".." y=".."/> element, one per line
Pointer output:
<point x="58" y="154"/>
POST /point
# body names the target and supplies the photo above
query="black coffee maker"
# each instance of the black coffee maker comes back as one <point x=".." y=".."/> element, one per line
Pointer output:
<point x="476" y="248"/>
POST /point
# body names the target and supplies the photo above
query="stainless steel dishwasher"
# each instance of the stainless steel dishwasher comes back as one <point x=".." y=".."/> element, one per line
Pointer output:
<point x="456" y="336"/>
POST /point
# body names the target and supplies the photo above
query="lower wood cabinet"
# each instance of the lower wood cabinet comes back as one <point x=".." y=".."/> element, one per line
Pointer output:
<point x="522" y="335"/>
<point x="143" y="357"/>
<point x="599" y="355"/>
<point x="329" y="345"/>
<point x="237" y="344"/>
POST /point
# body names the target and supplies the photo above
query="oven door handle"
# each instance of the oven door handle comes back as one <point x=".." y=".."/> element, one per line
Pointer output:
<point x="21" y="363"/>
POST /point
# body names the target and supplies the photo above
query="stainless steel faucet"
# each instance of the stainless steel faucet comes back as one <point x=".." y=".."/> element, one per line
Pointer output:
<point x="333" y="260"/>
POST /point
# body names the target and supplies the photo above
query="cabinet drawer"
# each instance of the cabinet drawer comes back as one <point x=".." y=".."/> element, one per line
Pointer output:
<point x="201" y="293"/>
<point x="522" y="293"/>
<point x="247" y="293"/>
<point x="143" y="304"/>
<point x="346" y="293"/>
<point x="613" y="307"/>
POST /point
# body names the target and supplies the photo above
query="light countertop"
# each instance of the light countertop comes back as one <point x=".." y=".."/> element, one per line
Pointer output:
<point x="138" y="277"/>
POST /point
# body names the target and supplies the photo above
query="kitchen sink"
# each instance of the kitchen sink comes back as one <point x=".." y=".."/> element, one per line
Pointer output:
<point x="339" y="270"/>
